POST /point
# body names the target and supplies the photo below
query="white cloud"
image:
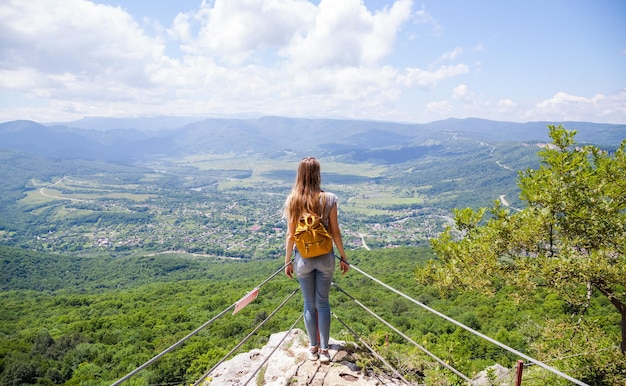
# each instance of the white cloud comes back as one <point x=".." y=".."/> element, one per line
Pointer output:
<point x="566" y="107"/>
<point x="80" y="37"/>
<point x="451" y="55"/>
<point x="233" y="30"/>
<point x="274" y="56"/>
<point x="505" y="105"/>
<point x="423" y="17"/>
<point x="283" y="57"/>
<point x="333" y="34"/>
<point x="460" y="92"/>
<point x="428" y="79"/>
<point x="80" y="50"/>
<point x="346" y="34"/>
<point x="439" y="108"/>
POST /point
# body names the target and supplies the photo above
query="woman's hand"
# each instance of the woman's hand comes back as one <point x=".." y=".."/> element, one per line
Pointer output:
<point x="343" y="264"/>
<point x="289" y="270"/>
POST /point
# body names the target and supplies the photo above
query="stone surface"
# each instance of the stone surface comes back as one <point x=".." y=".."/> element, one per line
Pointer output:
<point x="288" y="365"/>
<point x="501" y="376"/>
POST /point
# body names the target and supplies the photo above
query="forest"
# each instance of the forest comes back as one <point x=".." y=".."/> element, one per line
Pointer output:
<point x="92" y="321"/>
<point x="105" y="265"/>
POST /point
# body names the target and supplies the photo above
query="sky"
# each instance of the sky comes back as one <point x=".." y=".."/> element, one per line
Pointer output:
<point x="400" y="61"/>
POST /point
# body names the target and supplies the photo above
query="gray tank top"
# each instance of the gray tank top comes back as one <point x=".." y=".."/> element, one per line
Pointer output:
<point x="328" y="199"/>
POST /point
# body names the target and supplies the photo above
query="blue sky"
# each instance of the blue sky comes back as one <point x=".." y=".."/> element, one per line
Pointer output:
<point x="399" y="60"/>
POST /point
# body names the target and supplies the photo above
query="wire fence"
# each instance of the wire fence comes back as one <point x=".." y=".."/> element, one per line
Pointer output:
<point x="395" y="372"/>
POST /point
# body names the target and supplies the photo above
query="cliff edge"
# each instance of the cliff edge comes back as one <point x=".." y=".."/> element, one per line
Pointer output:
<point x="288" y="365"/>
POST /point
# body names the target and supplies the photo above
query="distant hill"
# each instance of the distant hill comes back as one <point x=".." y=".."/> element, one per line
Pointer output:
<point x="133" y="139"/>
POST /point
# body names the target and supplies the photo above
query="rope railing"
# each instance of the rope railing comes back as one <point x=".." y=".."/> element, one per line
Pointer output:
<point x="439" y="360"/>
<point x="370" y="349"/>
<point x="471" y="330"/>
<point x="244" y="340"/>
<point x="172" y="347"/>
<point x="191" y="334"/>
<point x="274" y="350"/>
<point x="431" y="310"/>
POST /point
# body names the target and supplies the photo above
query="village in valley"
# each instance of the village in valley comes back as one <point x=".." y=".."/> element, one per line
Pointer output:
<point x="230" y="218"/>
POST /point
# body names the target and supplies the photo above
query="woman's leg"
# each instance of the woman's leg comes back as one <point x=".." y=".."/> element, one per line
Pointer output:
<point x="307" y="286"/>
<point x="323" y="280"/>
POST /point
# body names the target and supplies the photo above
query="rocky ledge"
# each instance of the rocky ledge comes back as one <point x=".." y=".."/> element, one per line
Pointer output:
<point x="288" y="365"/>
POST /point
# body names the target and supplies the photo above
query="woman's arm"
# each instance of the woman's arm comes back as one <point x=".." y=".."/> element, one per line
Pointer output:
<point x="289" y="242"/>
<point x="335" y="232"/>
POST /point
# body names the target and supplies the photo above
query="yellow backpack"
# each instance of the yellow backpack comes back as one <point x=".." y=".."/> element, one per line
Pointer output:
<point x="312" y="238"/>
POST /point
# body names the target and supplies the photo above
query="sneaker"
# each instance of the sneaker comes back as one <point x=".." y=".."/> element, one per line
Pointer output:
<point x="313" y="354"/>
<point x="324" y="356"/>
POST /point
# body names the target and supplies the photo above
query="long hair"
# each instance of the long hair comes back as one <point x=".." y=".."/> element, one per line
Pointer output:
<point x="304" y="196"/>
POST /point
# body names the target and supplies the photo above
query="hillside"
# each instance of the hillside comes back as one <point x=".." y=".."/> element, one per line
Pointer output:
<point x="111" y="323"/>
<point x="115" y="243"/>
<point x="130" y="140"/>
<point x="129" y="189"/>
<point x="288" y="365"/>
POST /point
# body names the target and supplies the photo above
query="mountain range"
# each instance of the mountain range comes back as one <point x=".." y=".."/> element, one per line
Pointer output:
<point x="132" y="139"/>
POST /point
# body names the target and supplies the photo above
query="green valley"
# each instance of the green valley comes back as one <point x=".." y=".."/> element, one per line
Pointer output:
<point x="105" y="261"/>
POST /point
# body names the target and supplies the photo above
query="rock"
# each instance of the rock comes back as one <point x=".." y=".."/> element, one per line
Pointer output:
<point x="288" y="365"/>
<point x="498" y="372"/>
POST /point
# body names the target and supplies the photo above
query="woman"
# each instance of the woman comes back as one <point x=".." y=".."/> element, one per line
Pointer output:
<point x="314" y="274"/>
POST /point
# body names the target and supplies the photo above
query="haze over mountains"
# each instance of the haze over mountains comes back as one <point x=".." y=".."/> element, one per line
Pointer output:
<point x="133" y="139"/>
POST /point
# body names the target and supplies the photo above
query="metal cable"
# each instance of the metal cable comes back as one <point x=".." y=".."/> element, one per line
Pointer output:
<point x="378" y="356"/>
<point x="440" y="361"/>
<point x="183" y="340"/>
<point x="502" y="345"/>
<point x="247" y="337"/>
<point x="503" y="376"/>
<point x="274" y="350"/>
<point x="493" y="341"/>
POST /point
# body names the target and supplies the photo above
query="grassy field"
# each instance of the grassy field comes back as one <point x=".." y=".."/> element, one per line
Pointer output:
<point x="81" y="189"/>
<point x="353" y="182"/>
<point x="227" y="205"/>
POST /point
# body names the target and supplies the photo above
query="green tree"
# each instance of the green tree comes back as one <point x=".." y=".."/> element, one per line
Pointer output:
<point x="570" y="237"/>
